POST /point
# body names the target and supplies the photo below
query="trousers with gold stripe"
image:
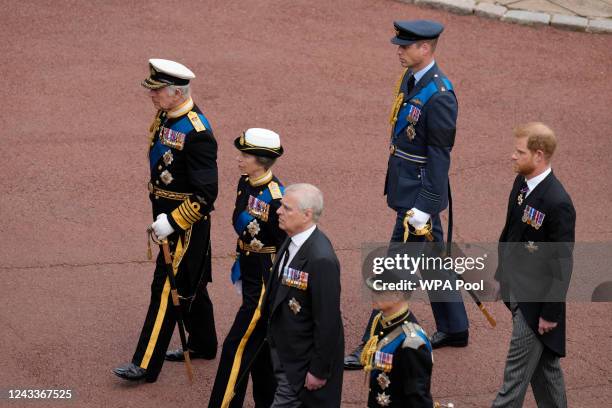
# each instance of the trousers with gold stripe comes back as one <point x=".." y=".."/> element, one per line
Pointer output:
<point x="196" y="306"/>
<point x="245" y="350"/>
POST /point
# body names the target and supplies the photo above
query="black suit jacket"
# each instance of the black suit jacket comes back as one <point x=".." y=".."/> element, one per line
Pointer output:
<point x="536" y="263"/>
<point x="312" y="339"/>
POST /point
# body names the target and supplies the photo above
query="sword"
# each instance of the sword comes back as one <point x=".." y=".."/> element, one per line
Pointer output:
<point x="175" y="301"/>
<point x="426" y="232"/>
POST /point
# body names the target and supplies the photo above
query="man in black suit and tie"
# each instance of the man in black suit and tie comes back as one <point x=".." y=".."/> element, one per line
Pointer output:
<point x="535" y="265"/>
<point x="305" y="329"/>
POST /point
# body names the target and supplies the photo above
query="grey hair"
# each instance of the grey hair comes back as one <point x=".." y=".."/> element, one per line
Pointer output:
<point x="266" y="162"/>
<point x="308" y="197"/>
<point x="183" y="89"/>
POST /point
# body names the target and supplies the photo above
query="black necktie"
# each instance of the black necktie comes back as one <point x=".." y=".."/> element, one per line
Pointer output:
<point x="411" y="84"/>
<point x="275" y="280"/>
<point x="285" y="259"/>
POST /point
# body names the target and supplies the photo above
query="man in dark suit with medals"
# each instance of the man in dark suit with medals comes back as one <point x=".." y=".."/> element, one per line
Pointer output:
<point x="305" y="328"/>
<point x="423" y="123"/>
<point x="245" y="350"/>
<point x="534" y="270"/>
<point x="182" y="189"/>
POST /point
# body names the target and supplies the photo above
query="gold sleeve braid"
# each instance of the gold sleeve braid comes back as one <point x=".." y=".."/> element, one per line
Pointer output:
<point x="187" y="214"/>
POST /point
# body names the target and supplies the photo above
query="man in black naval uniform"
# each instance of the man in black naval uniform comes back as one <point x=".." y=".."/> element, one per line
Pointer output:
<point x="423" y="123"/>
<point x="397" y="357"/>
<point x="183" y="188"/>
<point x="245" y="350"/>
<point x="534" y="271"/>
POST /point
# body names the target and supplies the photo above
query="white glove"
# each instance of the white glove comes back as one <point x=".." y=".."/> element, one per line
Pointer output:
<point x="419" y="219"/>
<point x="162" y="227"/>
<point x="238" y="286"/>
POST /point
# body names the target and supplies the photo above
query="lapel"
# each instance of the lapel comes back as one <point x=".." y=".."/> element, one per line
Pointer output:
<point x="423" y="81"/>
<point x="536" y="197"/>
<point x="298" y="262"/>
<point x="273" y="282"/>
<point x="511" y="205"/>
<point x="514" y="196"/>
<point x="275" y="265"/>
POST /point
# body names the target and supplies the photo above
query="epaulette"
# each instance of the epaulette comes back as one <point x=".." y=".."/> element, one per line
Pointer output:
<point x="275" y="190"/>
<point x="442" y="83"/>
<point x="196" y="122"/>
<point x="415" y="336"/>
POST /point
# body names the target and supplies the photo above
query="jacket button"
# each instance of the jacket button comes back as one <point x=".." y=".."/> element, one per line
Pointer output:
<point x="247" y="253"/>
<point x="159" y="167"/>
<point x="205" y="217"/>
<point x="157" y="182"/>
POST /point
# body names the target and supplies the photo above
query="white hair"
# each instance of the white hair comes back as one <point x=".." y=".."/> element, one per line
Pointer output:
<point x="183" y="89"/>
<point x="308" y="197"/>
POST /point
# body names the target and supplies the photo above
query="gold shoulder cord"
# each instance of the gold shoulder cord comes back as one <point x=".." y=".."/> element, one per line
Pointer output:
<point x="399" y="98"/>
<point x="154" y="128"/>
<point x="369" y="349"/>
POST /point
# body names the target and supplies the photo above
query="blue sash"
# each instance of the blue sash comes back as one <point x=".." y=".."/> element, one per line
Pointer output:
<point x="393" y="345"/>
<point x="418" y="101"/>
<point x="390" y="348"/>
<point x="184" y="126"/>
<point x="242" y="221"/>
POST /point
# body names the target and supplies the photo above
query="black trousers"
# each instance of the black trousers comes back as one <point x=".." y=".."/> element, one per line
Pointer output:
<point x="160" y="321"/>
<point x="245" y="349"/>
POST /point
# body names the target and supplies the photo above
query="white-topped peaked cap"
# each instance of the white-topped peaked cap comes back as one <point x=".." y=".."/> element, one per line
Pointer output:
<point x="260" y="142"/>
<point x="164" y="72"/>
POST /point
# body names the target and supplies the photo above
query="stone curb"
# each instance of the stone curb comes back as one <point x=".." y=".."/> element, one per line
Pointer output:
<point x="526" y="17"/>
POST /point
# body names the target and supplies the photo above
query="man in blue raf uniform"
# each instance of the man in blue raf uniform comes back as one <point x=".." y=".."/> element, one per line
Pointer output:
<point x="397" y="357"/>
<point x="245" y="350"/>
<point x="183" y="188"/>
<point x="423" y="121"/>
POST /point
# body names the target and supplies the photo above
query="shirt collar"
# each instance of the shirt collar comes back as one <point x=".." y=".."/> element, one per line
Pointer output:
<point x="534" y="181"/>
<point x="182" y="109"/>
<point x="299" y="239"/>
<point x="418" y="75"/>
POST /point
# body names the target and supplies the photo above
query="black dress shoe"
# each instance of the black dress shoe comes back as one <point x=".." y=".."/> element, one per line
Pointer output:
<point x="177" y="355"/>
<point x="130" y="372"/>
<point x="441" y="339"/>
<point x="352" y="361"/>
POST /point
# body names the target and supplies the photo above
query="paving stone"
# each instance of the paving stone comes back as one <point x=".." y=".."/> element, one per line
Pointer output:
<point x="586" y="8"/>
<point x="544" y="6"/>
<point x="600" y="26"/>
<point x="569" y="22"/>
<point x="455" y="6"/>
<point x="526" y="17"/>
<point x="490" y="10"/>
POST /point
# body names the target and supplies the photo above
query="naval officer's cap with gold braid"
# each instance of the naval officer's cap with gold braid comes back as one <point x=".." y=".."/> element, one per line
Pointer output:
<point x="164" y="73"/>
<point x="260" y="142"/>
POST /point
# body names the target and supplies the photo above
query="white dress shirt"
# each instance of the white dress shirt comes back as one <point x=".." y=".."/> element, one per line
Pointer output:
<point x="419" y="74"/>
<point x="534" y="181"/>
<point x="296" y="243"/>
